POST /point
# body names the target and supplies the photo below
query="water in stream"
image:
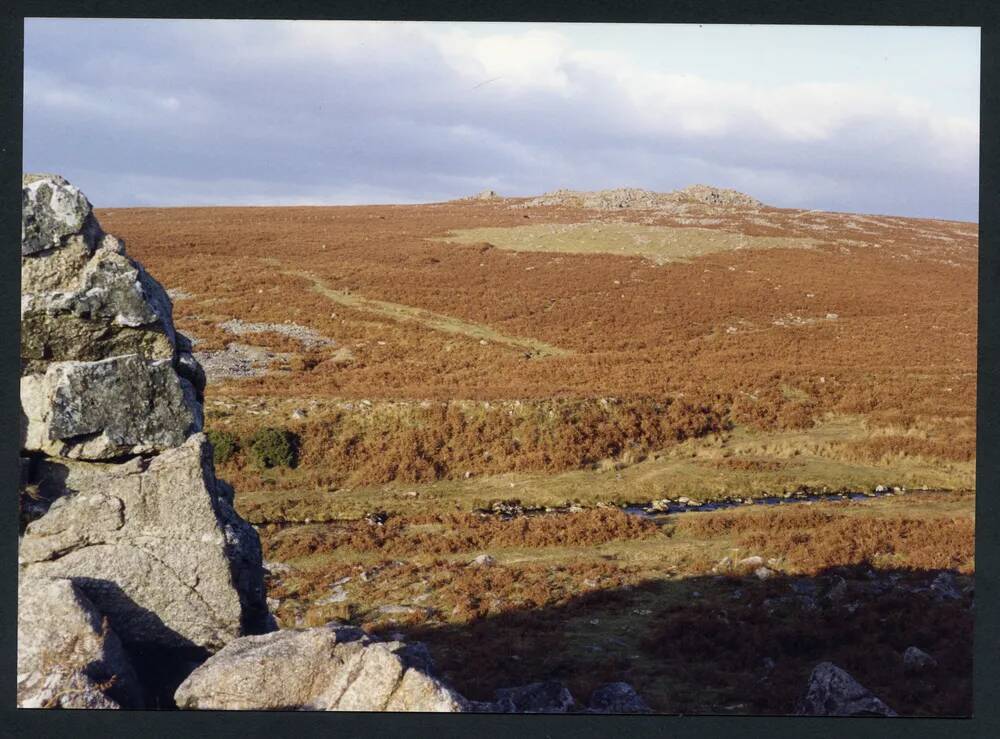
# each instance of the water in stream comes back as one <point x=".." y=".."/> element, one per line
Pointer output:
<point x="650" y="511"/>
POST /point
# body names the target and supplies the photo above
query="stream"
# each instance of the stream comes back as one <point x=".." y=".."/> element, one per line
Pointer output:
<point x="659" y="509"/>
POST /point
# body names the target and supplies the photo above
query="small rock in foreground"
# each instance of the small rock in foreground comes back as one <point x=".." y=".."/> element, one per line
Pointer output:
<point x="917" y="660"/>
<point x="328" y="668"/>
<point x="833" y="692"/>
<point x="617" y="698"/>
<point x="550" y="696"/>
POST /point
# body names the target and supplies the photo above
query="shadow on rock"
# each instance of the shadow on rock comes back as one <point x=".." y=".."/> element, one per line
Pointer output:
<point x="159" y="669"/>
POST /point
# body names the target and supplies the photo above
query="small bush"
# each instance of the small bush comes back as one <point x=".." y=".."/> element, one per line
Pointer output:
<point x="225" y="445"/>
<point x="273" y="447"/>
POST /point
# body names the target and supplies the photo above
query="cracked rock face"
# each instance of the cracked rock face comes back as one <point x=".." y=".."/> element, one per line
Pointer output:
<point x="81" y="305"/>
<point x="108" y="408"/>
<point x="66" y="657"/>
<point x="152" y="545"/>
<point x="329" y="668"/>
<point x="125" y="505"/>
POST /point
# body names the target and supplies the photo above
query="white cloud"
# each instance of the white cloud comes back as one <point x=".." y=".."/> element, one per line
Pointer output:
<point x="411" y="110"/>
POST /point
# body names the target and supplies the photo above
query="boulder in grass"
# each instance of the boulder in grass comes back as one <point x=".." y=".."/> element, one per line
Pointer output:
<point x="833" y="692"/>
<point x="617" y="698"/>
<point x="549" y="696"/>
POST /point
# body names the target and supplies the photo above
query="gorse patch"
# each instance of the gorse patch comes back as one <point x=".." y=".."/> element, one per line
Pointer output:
<point x="273" y="447"/>
<point x="225" y="445"/>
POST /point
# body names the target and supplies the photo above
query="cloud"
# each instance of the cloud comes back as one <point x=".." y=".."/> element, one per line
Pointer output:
<point x="176" y="112"/>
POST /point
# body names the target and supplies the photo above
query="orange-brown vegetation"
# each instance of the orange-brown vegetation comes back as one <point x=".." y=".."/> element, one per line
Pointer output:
<point x="693" y="635"/>
<point x="433" y="375"/>
<point x="433" y="441"/>
<point x="960" y="448"/>
<point x="743" y="335"/>
<point x="449" y="533"/>
<point x="813" y="538"/>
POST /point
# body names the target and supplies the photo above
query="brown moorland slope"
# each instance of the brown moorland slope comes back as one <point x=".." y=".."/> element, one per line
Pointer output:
<point x="864" y="316"/>
<point x="434" y="359"/>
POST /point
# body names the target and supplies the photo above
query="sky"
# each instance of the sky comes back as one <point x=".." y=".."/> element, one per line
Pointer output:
<point x="175" y="112"/>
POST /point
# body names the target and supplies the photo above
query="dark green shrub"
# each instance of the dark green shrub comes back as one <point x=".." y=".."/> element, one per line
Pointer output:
<point x="225" y="445"/>
<point x="273" y="447"/>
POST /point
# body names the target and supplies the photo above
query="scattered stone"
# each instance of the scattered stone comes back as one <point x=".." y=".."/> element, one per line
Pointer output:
<point x="917" y="660"/>
<point x="509" y="508"/>
<point x="550" y="696"/>
<point x="337" y="595"/>
<point x="307" y="336"/>
<point x="485" y="195"/>
<point x="617" y="698"/>
<point x="754" y="561"/>
<point x="763" y="573"/>
<point x="276" y="568"/>
<point x="237" y="361"/>
<point x="833" y="692"/>
<point x="944" y="587"/>
<point x="483" y="560"/>
<point x="329" y="668"/>
<point x="177" y="293"/>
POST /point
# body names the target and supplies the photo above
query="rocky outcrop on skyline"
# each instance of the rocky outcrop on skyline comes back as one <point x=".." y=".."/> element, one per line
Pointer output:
<point x="638" y="199"/>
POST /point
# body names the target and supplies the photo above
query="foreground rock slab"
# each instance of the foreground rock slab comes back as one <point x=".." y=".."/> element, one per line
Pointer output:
<point x="328" y="668"/>
<point x="66" y="655"/>
<point x="155" y="545"/>
<point x="833" y="692"/>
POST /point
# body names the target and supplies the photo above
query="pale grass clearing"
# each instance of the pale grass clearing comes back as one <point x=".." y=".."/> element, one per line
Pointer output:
<point x="659" y="244"/>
